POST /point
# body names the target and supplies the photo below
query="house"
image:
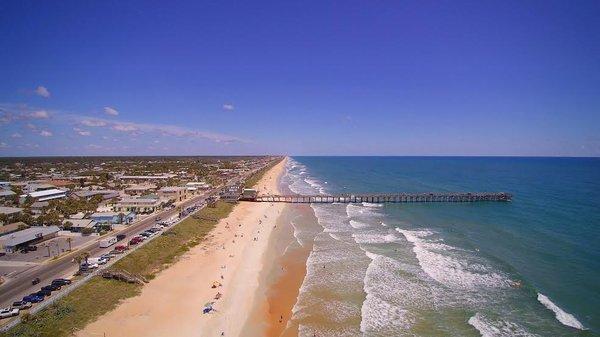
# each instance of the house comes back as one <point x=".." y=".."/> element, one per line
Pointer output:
<point x="45" y="195"/>
<point x="38" y="206"/>
<point x="13" y="242"/>
<point x="13" y="227"/>
<point x="10" y="210"/>
<point x="6" y="194"/>
<point x="113" y="218"/>
<point x="146" y="204"/>
<point x="77" y="225"/>
<point x="174" y="193"/>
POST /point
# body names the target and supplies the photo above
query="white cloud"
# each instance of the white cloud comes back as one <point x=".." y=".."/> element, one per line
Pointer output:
<point x="94" y="146"/>
<point x="42" y="91"/>
<point x="111" y="111"/>
<point x="228" y="107"/>
<point x="16" y="135"/>
<point x="3" y="145"/>
<point x="93" y="122"/>
<point x="45" y="133"/>
<point x="125" y="127"/>
<point x="39" y="114"/>
<point x="82" y="132"/>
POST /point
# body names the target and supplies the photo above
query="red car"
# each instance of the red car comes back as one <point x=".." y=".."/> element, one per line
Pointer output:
<point x="121" y="248"/>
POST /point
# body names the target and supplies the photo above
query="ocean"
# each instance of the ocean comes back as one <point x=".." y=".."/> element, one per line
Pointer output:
<point x="529" y="267"/>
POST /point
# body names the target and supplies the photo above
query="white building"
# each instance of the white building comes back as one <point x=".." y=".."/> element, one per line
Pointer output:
<point x="45" y="195"/>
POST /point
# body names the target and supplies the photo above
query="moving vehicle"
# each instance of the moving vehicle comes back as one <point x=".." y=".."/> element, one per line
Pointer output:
<point x="121" y="237"/>
<point x="21" y="305"/>
<point x="121" y="248"/>
<point x="35" y="281"/>
<point x="8" y="312"/>
<point x="107" y="242"/>
<point x="97" y="260"/>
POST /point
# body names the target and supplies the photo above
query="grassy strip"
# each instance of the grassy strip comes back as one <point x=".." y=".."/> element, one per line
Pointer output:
<point x="255" y="178"/>
<point x="99" y="296"/>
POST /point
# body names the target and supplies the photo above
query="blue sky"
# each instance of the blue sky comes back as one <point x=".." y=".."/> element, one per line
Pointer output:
<point x="300" y="78"/>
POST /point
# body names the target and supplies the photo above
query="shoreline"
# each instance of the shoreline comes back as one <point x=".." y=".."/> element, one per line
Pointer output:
<point x="232" y="255"/>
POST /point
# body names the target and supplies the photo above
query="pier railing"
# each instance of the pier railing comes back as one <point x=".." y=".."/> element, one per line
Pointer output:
<point x="385" y="198"/>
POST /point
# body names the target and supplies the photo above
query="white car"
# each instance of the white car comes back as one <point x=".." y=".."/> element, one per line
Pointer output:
<point x="9" y="312"/>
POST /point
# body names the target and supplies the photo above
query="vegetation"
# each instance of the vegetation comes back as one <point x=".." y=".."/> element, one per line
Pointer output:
<point x="99" y="296"/>
<point x="253" y="179"/>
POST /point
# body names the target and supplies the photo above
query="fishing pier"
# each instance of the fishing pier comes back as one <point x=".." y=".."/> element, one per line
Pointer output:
<point x="382" y="198"/>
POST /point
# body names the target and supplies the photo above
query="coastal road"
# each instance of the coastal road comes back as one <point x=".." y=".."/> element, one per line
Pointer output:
<point x="20" y="286"/>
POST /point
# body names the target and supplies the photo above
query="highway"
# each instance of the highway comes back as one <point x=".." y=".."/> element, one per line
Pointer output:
<point x="20" y="286"/>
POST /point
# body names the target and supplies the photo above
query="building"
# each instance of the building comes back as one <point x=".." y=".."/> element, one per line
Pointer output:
<point x="13" y="242"/>
<point x="193" y="187"/>
<point x="174" y="193"/>
<point x="231" y="193"/>
<point x="147" y="204"/>
<point x="38" y="207"/>
<point x="113" y="218"/>
<point x="37" y="186"/>
<point x="161" y="177"/>
<point x="6" y="194"/>
<point x="249" y="194"/>
<point x="77" y="225"/>
<point x="45" y="195"/>
<point x="88" y="194"/>
<point x="140" y="189"/>
<point x="13" y="227"/>
<point x="10" y="210"/>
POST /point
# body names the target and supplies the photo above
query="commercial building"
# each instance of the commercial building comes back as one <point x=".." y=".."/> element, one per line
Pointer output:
<point x="249" y="194"/>
<point x="45" y="195"/>
<point x="13" y="242"/>
<point x="140" y="189"/>
<point x="161" y="177"/>
<point x="77" y="225"/>
<point x="113" y="218"/>
<point x="138" y="205"/>
<point x="174" y="193"/>
<point x="106" y="194"/>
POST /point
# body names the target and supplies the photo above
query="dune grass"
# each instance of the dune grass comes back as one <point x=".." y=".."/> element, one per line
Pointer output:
<point x="255" y="178"/>
<point x="99" y="295"/>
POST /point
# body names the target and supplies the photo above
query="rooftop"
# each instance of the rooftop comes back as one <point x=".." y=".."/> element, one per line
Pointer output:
<point x="10" y="210"/>
<point x="26" y="235"/>
<point x="46" y="193"/>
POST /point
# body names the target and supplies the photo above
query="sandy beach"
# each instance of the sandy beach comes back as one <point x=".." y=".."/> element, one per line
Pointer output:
<point x="232" y="255"/>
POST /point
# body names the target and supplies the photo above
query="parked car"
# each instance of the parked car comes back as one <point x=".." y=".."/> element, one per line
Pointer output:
<point x="61" y="281"/>
<point x="21" y="305"/>
<point x="45" y="293"/>
<point x="51" y="287"/>
<point x="121" y="248"/>
<point x="33" y="298"/>
<point x="8" y="312"/>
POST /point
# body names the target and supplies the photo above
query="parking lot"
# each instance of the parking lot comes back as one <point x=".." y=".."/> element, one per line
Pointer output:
<point x="14" y="263"/>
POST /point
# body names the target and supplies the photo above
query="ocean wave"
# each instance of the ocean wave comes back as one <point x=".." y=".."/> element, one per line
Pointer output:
<point x="358" y="211"/>
<point x="497" y="328"/>
<point x="562" y="316"/>
<point x="374" y="238"/>
<point x="370" y="204"/>
<point x="451" y="266"/>
<point x="381" y="311"/>
<point x="358" y="224"/>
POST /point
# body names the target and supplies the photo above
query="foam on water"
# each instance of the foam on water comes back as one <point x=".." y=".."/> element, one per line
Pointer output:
<point x="497" y="328"/>
<point x="451" y="266"/>
<point x="373" y="237"/>
<point x="562" y="316"/>
<point x="381" y="311"/>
